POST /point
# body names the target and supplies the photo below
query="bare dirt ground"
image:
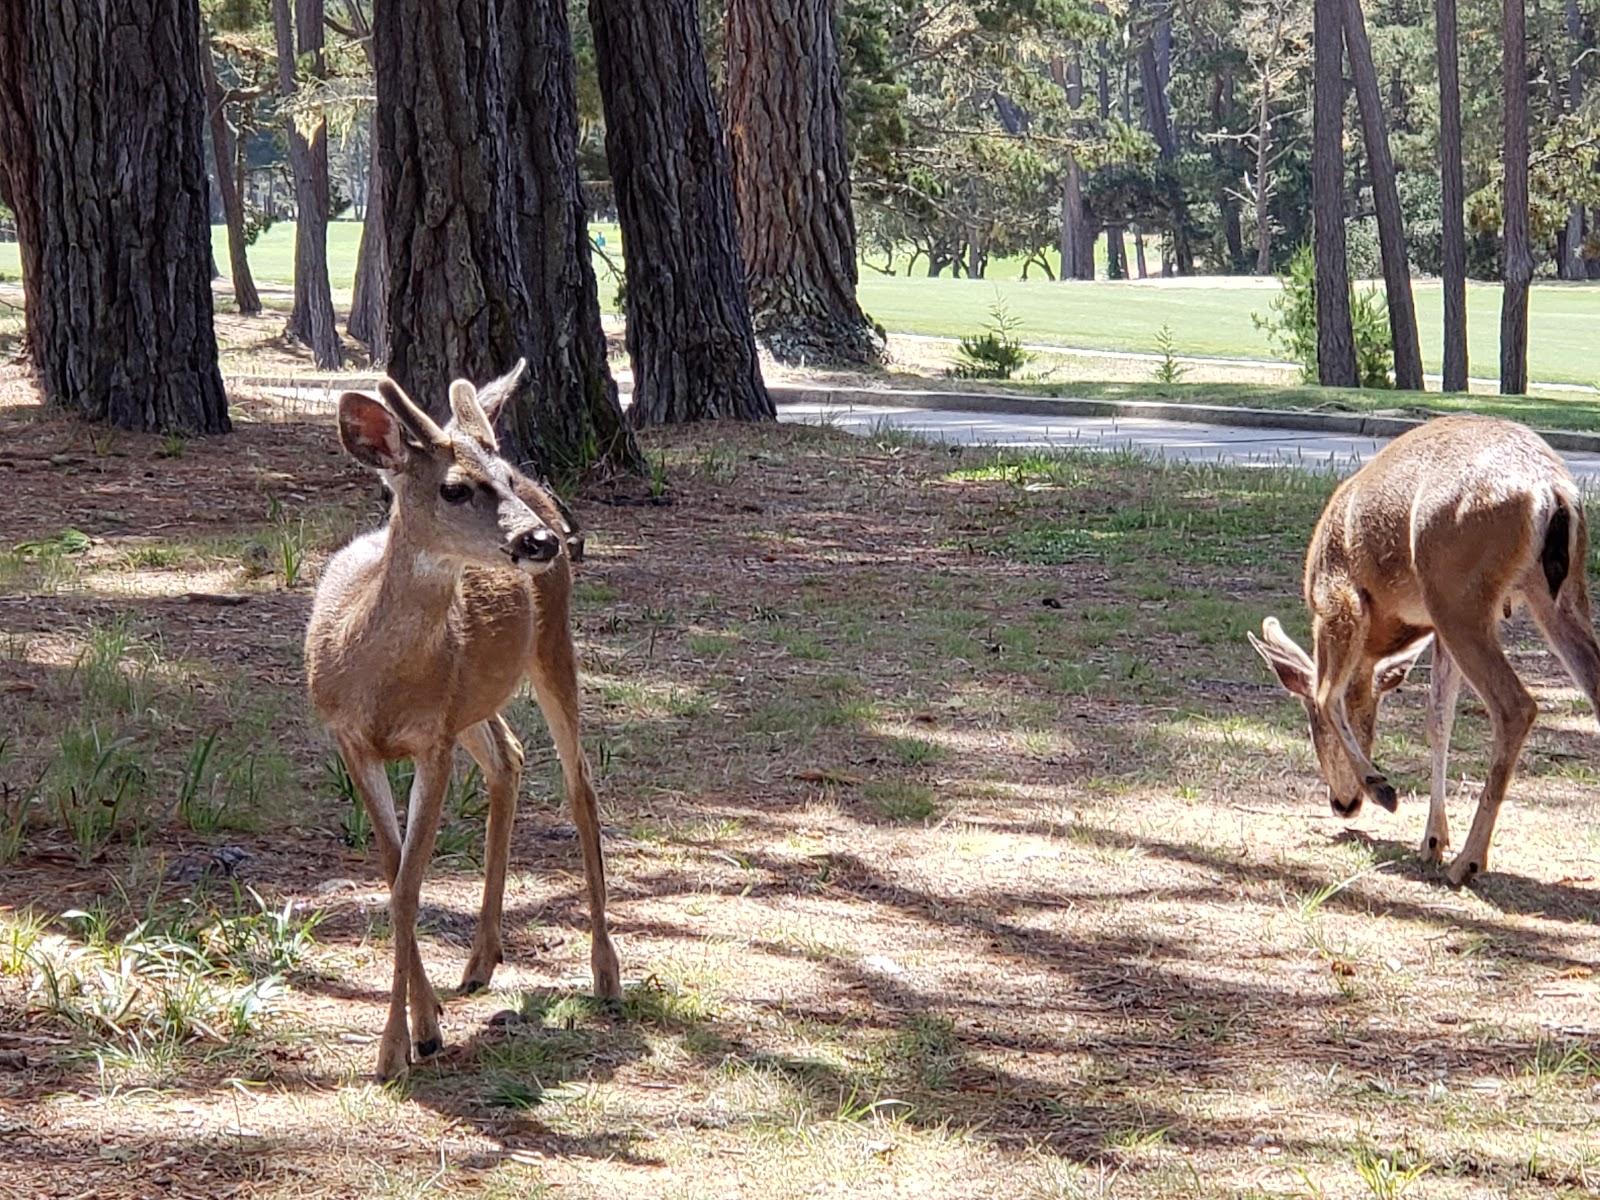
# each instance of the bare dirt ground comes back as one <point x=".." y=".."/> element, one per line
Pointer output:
<point x="958" y="846"/>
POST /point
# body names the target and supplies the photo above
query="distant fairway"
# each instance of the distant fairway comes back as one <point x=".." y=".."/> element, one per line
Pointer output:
<point x="1207" y="317"/>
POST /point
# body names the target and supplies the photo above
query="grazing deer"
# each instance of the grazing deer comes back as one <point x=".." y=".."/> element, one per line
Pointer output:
<point x="1440" y="535"/>
<point x="419" y="635"/>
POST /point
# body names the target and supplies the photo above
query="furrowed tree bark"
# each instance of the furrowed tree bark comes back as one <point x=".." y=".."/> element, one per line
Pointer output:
<point x="791" y="180"/>
<point x="225" y="158"/>
<point x="689" y="330"/>
<point x="574" y="411"/>
<point x="19" y="162"/>
<point x="1386" y="200"/>
<point x="1518" y="253"/>
<point x="464" y="293"/>
<point x="1452" y="199"/>
<point x="1336" y="347"/>
<point x="122" y="303"/>
<point x="311" y="321"/>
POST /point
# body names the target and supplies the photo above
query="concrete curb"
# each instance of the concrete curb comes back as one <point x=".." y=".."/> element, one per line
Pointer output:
<point x="1348" y="424"/>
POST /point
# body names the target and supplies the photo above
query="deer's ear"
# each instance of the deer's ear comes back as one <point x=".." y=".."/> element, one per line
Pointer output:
<point x="492" y="396"/>
<point x="470" y="417"/>
<point x="1292" y="665"/>
<point x="1391" y="672"/>
<point x="371" y="434"/>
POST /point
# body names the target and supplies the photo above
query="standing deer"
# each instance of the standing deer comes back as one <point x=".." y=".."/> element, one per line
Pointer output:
<point x="419" y="635"/>
<point x="1439" y="536"/>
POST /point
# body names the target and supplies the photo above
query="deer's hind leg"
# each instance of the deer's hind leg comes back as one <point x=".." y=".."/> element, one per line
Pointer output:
<point x="1473" y="641"/>
<point x="499" y="755"/>
<point x="554" y="674"/>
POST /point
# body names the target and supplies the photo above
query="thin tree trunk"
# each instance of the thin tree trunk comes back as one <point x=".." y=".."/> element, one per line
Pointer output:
<point x="1138" y="250"/>
<point x="791" y="180"/>
<point x="689" y="331"/>
<point x="224" y="157"/>
<point x="1386" y="200"/>
<point x="1519" y="255"/>
<point x="311" y="321"/>
<point x="19" y="162"/>
<point x="575" y="414"/>
<point x="1452" y="193"/>
<point x="368" y="322"/>
<point x="369" y="297"/>
<point x="1263" y="186"/>
<point x="1571" y="264"/>
<point x="1077" y="238"/>
<point x="122" y="304"/>
<point x="1336" y="349"/>
<point x="1158" y="120"/>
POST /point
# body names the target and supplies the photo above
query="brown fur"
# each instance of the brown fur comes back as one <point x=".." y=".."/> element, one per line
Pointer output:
<point x="1443" y="533"/>
<point x="419" y="635"/>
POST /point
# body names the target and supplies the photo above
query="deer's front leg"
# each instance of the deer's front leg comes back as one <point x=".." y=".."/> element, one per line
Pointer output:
<point x="372" y="784"/>
<point x="1444" y="688"/>
<point x="422" y="825"/>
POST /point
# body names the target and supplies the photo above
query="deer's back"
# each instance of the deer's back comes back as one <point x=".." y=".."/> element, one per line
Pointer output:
<point x="1444" y="500"/>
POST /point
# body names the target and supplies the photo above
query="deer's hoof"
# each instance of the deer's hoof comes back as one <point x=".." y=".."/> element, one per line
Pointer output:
<point x="429" y="1048"/>
<point x="1433" y="848"/>
<point x="1383" y="794"/>
<point x="393" y="1062"/>
<point x="1463" y="871"/>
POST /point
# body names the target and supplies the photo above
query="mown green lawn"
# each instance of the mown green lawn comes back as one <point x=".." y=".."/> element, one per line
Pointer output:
<point x="1212" y="319"/>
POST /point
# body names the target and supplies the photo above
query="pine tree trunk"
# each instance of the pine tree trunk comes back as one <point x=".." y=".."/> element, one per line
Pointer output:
<point x="122" y="304"/>
<point x="1077" y="237"/>
<point x="464" y="292"/>
<point x="577" y="412"/>
<point x="791" y="180"/>
<point x="1158" y="120"/>
<point x="1386" y="200"/>
<point x="1452" y="199"/>
<point x="1519" y="256"/>
<point x="311" y="321"/>
<point x="369" y="298"/>
<point x="458" y="307"/>
<point x="225" y="158"/>
<point x="689" y="331"/>
<point x="19" y="163"/>
<point x="1336" y="349"/>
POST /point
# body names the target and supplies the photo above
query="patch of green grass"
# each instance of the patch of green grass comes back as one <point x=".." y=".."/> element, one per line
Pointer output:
<point x="915" y="752"/>
<point x="901" y="802"/>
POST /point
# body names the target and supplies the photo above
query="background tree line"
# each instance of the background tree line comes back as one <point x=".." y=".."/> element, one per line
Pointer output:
<point x="754" y="153"/>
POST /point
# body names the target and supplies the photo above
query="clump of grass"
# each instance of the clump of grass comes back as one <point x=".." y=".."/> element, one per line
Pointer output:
<point x="94" y="778"/>
<point x="289" y="545"/>
<point x="176" y="978"/>
<point x="355" y="825"/>
<point x="901" y="802"/>
<point x="1383" y="1175"/>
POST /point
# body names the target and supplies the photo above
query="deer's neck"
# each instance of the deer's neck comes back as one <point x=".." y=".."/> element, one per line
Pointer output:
<point x="418" y="586"/>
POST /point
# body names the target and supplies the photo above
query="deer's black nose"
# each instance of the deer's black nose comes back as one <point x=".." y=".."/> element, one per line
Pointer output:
<point x="540" y="545"/>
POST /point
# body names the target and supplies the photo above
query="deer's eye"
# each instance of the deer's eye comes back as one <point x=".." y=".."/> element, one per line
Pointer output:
<point x="455" y="493"/>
